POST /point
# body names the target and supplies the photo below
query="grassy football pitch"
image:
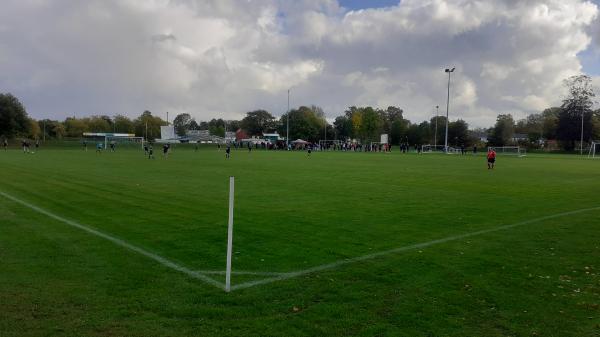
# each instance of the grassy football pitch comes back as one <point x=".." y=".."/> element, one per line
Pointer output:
<point x="338" y="244"/>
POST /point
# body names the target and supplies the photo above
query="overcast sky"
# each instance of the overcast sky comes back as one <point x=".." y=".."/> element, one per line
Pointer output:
<point x="222" y="58"/>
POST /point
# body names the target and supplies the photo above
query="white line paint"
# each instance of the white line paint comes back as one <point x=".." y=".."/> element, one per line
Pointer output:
<point x="239" y="272"/>
<point x="339" y="263"/>
<point x="119" y="242"/>
<point x="229" y="235"/>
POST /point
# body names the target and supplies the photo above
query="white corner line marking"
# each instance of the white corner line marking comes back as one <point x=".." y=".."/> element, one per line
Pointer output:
<point x="339" y="263"/>
<point x="165" y="262"/>
<point x="240" y="272"/>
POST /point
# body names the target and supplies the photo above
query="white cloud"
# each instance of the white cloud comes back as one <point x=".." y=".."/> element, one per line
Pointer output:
<point x="221" y="58"/>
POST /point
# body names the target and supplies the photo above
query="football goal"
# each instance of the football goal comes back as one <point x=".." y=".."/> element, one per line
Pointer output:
<point x="509" y="150"/>
<point x="594" y="150"/>
<point x="328" y="144"/>
<point x="432" y="148"/>
<point x="124" y="141"/>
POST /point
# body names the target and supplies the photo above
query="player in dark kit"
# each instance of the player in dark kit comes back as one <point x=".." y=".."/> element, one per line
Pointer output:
<point x="228" y="151"/>
<point x="150" y="152"/>
<point x="145" y="149"/>
<point x="165" y="150"/>
<point x="5" y="144"/>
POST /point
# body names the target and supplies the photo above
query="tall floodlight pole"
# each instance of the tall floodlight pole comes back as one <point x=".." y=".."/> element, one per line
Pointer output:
<point x="287" y="136"/>
<point x="437" y="113"/>
<point x="449" y="71"/>
<point x="581" y="143"/>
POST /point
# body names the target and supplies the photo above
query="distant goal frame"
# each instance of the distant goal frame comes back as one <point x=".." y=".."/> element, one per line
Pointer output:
<point x="521" y="151"/>
<point x="592" y="153"/>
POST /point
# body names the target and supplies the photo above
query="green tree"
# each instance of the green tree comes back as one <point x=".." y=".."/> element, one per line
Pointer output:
<point x="550" y="123"/>
<point x="304" y="124"/>
<point x="577" y="106"/>
<point x="399" y="131"/>
<point x="370" y="126"/>
<point x="503" y="130"/>
<point x="182" y="123"/>
<point x="258" y="122"/>
<point x="123" y="124"/>
<point x="458" y="133"/>
<point x="34" y="129"/>
<point x="439" y="137"/>
<point x="14" y="121"/>
<point x="99" y="124"/>
<point x="148" y="126"/>
<point x="343" y="127"/>
<point x="217" y="127"/>
<point x="75" y="127"/>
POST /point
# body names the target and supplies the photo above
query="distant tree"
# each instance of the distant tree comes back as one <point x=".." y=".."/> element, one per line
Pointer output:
<point x="399" y="131"/>
<point x="458" y="133"/>
<point x="182" y="123"/>
<point x="550" y="122"/>
<point x="194" y="125"/>
<point x="58" y="130"/>
<point x="343" y="127"/>
<point x="596" y="125"/>
<point x="234" y="125"/>
<point x="34" y="129"/>
<point x="257" y="122"/>
<point x="304" y="124"/>
<point x="14" y="121"/>
<point x="99" y="124"/>
<point x="217" y="127"/>
<point x="576" y="106"/>
<point x="502" y="131"/>
<point x="148" y="126"/>
<point x="370" y="126"/>
<point x="75" y="127"/>
<point x="123" y="124"/>
<point x="441" y="129"/>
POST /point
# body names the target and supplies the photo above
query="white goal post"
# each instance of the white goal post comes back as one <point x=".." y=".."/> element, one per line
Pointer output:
<point x="509" y="150"/>
<point x="122" y="140"/>
<point x="432" y="148"/>
<point x="326" y="143"/>
<point x="594" y="150"/>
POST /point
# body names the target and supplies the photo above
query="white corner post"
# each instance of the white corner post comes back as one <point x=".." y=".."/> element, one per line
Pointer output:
<point x="229" y="236"/>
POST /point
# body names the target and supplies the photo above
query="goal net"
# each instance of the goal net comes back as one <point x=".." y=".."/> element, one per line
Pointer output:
<point x="509" y="150"/>
<point x="124" y="142"/>
<point x="594" y="150"/>
<point x="325" y="145"/>
<point x="454" y="150"/>
<point x="432" y="148"/>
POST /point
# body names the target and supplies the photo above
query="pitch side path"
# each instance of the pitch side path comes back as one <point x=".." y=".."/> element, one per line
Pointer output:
<point x="335" y="244"/>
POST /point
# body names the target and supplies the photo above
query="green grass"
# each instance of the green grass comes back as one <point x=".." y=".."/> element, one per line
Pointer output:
<point x="292" y="213"/>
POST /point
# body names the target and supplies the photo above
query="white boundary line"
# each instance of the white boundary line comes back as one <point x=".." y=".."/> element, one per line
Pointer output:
<point x="165" y="262"/>
<point x="339" y="263"/>
<point x="240" y="272"/>
<point x="200" y="275"/>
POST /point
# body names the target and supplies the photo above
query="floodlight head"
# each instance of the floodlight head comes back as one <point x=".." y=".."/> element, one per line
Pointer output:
<point x="452" y="69"/>
<point x="447" y="70"/>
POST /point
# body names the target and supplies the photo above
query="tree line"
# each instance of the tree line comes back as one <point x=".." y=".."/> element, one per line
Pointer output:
<point x="559" y="124"/>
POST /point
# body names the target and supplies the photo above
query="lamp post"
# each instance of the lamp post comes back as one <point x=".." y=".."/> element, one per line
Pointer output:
<point x="449" y="71"/>
<point x="437" y="113"/>
<point x="581" y="143"/>
<point x="287" y="136"/>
